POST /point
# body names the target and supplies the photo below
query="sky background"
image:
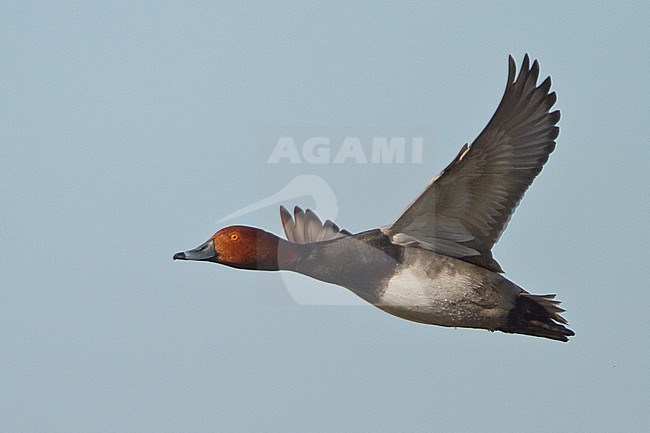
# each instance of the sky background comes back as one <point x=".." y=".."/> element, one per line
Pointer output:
<point x="128" y="129"/>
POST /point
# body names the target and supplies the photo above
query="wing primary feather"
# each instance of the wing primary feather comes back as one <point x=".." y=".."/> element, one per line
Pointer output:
<point x="299" y="232"/>
<point x="287" y="223"/>
<point x="305" y="227"/>
<point x="464" y="210"/>
<point x="313" y="226"/>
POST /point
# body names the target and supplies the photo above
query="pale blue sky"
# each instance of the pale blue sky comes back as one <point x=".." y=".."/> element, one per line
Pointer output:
<point x="128" y="129"/>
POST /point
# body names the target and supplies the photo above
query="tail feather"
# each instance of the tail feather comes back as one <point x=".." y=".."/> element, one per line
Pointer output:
<point x="538" y="315"/>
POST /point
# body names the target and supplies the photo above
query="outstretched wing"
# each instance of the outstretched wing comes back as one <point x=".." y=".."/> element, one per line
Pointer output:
<point x="464" y="209"/>
<point x="307" y="227"/>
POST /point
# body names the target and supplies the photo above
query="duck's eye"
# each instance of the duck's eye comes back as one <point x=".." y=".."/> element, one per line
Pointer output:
<point x="234" y="236"/>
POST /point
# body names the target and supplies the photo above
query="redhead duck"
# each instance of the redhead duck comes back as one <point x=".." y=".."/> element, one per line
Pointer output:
<point x="434" y="263"/>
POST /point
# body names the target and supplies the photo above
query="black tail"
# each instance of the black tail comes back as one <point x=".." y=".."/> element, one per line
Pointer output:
<point x="537" y="315"/>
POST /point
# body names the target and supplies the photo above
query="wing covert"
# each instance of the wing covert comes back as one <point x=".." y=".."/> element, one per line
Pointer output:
<point x="464" y="209"/>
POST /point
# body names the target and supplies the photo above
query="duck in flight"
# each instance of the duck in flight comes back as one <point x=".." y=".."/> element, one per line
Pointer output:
<point x="434" y="263"/>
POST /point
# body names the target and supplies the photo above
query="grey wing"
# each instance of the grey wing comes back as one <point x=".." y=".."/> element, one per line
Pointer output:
<point x="306" y="227"/>
<point x="464" y="209"/>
